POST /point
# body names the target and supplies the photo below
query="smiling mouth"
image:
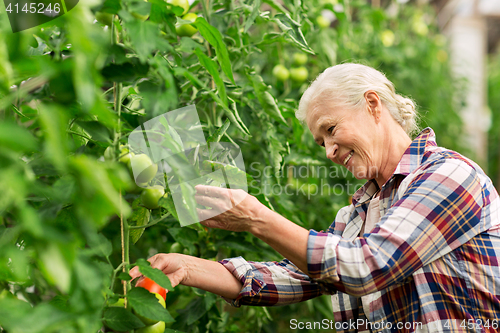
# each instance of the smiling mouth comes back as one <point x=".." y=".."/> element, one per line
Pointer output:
<point x="348" y="157"/>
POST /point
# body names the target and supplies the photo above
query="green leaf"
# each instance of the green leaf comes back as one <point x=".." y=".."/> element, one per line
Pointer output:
<point x="292" y="29"/>
<point x="185" y="236"/>
<point x="53" y="120"/>
<point x="124" y="276"/>
<point x="154" y="274"/>
<point x="96" y="130"/>
<point x="120" y="319"/>
<point x="231" y="175"/>
<point x="111" y="6"/>
<point x="125" y="72"/>
<point x="19" y="316"/>
<point x="168" y="203"/>
<point x="103" y="246"/>
<point x="271" y="38"/>
<point x="237" y="118"/>
<point x="275" y="149"/>
<point x="214" y="37"/>
<point x="98" y="196"/>
<point x="230" y="114"/>
<point x="145" y="38"/>
<point x="264" y="96"/>
<point x="187" y="210"/>
<point x="146" y="304"/>
<point x="197" y="308"/>
<point x="15" y="137"/>
<point x="276" y="5"/>
<point x="140" y="216"/>
<point x="217" y="135"/>
<point x="212" y="69"/>
<point x="255" y="12"/>
<point x="55" y="268"/>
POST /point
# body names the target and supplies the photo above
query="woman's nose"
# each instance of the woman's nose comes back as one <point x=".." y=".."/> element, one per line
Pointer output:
<point x="331" y="151"/>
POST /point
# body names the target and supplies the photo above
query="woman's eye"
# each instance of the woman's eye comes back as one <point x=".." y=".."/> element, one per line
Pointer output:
<point x="330" y="130"/>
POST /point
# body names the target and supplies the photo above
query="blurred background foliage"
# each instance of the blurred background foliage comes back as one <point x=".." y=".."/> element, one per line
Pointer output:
<point x="75" y="86"/>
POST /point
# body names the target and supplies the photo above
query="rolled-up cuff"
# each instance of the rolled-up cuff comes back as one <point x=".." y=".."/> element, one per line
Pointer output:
<point x="322" y="256"/>
<point x="243" y="271"/>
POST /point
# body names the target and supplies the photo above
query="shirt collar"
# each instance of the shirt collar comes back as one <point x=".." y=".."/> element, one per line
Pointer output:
<point x="411" y="160"/>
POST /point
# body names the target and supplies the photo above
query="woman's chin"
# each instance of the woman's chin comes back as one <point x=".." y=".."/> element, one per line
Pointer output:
<point x="358" y="174"/>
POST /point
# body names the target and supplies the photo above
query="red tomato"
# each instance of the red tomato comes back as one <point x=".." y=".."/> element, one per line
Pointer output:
<point x="152" y="286"/>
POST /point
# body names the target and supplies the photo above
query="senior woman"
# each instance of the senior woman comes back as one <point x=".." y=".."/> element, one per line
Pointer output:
<point x="416" y="251"/>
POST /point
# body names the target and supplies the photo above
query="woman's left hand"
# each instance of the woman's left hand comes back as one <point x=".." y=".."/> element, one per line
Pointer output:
<point x="233" y="210"/>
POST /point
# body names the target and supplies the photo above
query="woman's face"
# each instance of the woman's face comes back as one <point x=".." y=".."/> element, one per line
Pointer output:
<point x="349" y="136"/>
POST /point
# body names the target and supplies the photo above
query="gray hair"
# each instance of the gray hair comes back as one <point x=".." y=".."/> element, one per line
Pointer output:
<point x="347" y="84"/>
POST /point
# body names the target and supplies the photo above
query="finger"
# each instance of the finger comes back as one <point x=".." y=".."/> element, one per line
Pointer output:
<point x="204" y="214"/>
<point x="134" y="272"/>
<point x="209" y="223"/>
<point x="216" y="203"/>
<point x="159" y="261"/>
<point x="211" y="191"/>
<point x="205" y="201"/>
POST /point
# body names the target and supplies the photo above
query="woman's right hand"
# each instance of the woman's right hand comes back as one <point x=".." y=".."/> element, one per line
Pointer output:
<point x="174" y="266"/>
<point x="194" y="272"/>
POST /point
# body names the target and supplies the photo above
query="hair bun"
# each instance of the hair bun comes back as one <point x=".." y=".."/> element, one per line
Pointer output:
<point x="407" y="112"/>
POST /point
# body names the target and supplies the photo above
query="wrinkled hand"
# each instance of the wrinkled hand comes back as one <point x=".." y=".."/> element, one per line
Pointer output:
<point x="233" y="210"/>
<point x="172" y="264"/>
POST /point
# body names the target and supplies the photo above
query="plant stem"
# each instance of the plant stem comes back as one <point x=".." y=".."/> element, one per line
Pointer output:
<point x="80" y="134"/>
<point x="124" y="227"/>
<point x="150" y="223"/>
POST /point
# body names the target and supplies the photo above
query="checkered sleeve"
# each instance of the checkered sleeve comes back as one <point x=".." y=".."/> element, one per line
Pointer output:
<point x="439" y="211"/>
<point x="270" y="283"/>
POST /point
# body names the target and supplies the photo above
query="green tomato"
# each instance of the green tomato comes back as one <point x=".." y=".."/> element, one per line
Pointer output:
<point x="299" y="74"/>
<point x="108" y="154"/>
<point x="143" y="168"/>
<point x="387" y="37"/>
<point x="148" y="321"/>
<point x="151" y="195"/>
<point x="125" y="156"/>
<point x="187" y="30"/>
<point x="175" y="248"/>
<point x="299" y="59"/>
<point x="104" y="18"/>
<point x="322" y="21"/>
<point x="159" y="327"/>
<point x="118" y="304"/>
<point x="420" y="28"/>
<point x="180" y="3"/>
<point x="281" y="72"/>
<point x="140" y="17"/>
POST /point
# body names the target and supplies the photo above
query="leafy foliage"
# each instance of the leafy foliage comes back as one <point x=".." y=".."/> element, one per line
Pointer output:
<point x="71" y="224"/>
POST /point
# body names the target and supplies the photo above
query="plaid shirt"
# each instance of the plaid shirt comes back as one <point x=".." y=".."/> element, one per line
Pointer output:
<point x="431" y="264"/>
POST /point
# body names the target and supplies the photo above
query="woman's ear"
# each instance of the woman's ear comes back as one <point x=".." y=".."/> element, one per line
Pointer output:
<point x="373" y="104"/>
